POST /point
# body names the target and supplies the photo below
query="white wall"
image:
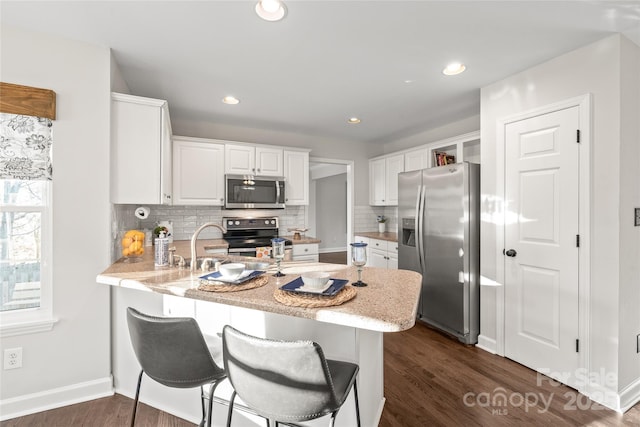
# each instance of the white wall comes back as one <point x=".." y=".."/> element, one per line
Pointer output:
<point x="331" y="209"/>
<point x="460" y="127"/>
<point x="77" y="351"/>
<point x="594" y="69"/>
<point x="629" y="315"/>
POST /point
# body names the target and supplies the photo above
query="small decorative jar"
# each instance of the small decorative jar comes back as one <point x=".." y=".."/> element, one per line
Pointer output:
<point x="132" y="245"/>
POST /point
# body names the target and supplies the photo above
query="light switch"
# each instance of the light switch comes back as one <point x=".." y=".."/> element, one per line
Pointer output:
<point x="637" y="221"/>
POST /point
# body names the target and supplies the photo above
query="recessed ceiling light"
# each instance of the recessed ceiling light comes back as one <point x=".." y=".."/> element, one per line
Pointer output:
<point x="271" y="10"/>
<point x="231" y="100"/>
<point x="353" y="121"/>
<point x="409" y="81"/>
<point x="453" y="69"/>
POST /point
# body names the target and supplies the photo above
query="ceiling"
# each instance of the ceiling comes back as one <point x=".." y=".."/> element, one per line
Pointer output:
<point x="327" y="60"/>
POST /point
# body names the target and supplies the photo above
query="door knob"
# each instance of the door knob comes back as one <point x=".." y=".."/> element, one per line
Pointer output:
<point x="511" y="253"/>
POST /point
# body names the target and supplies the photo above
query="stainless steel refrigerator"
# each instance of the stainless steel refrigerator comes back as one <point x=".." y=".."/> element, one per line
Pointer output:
<point x="439" y="237"/>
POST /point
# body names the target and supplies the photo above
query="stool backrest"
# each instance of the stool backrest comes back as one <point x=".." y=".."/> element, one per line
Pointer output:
<point x="171" y="350"/>
<point x="282" y="380"/>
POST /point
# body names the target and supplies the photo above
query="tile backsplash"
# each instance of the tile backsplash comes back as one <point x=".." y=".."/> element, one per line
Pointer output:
<point x="186" y="219"/>
<point x="366" y="218"/>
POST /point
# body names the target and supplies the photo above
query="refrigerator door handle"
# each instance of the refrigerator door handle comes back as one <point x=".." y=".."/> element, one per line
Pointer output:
<point x="420" y="227"/>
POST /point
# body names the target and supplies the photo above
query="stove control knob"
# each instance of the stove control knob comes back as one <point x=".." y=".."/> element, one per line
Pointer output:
<point x="230" y="222"/>
<point x="237" y="222"/>
<point x="273" y="221"/>
<point x="266" y="221"/>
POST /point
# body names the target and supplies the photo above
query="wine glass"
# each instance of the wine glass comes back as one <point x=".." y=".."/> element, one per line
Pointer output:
<point x="278" y="253"/>
<point x="359" y="259"/>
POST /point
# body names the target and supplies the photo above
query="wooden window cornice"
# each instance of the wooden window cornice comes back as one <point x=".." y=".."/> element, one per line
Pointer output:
<point x="28" y="101"/>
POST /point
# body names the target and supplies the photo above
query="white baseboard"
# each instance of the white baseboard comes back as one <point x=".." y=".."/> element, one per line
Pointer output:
<point x="630" y="396"/>
<point x="602" y="395"/>
<point x="55" y="398"/>
<point x="379" y="412"/>
<point x="486" y="344"/>
<point x="329" y="250"/>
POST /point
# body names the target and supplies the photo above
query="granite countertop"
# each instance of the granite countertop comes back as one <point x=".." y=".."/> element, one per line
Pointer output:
<point x="303" y="240"/>
<point x="183" y="247"/>
<point x="388" y="304"/>
<point x="387" y="235"/>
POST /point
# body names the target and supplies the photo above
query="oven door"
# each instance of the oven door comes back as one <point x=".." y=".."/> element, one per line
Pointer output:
<point x="242" y="251"/>
<point x="251" y="252"/>
<point x="254" y="192"/>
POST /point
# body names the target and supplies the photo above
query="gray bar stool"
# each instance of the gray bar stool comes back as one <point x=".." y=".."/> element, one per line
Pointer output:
<point x="286" y="381"/>
<point x="173" y="352"/>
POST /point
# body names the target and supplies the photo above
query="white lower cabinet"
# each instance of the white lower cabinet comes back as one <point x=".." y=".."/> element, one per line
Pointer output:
<point x="378" y="258"/>
<point x="380" y="253"/>
<point x="306" y="252"/>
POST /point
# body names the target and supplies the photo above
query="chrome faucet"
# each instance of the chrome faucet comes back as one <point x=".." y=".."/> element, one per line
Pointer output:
<point x="194" y="255"/>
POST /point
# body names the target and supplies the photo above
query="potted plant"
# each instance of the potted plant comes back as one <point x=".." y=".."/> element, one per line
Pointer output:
<point x="381" y="223"/>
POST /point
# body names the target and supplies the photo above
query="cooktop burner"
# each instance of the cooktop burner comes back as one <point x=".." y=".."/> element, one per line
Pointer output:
<point x="251" y="232"/>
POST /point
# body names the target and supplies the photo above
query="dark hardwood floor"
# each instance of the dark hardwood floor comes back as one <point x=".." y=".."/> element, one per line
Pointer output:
<point x="430" y="380"/>
<point x="334" y="257"/>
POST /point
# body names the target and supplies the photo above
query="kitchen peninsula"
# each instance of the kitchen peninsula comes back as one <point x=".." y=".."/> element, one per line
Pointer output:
<point x="351" y="331"/>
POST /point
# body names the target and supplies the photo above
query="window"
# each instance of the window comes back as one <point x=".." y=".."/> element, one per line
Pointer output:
<point x="25" y="236"/>
<point x="25" y="218"/>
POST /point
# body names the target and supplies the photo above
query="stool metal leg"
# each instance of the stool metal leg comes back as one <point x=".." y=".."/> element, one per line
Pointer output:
<point x="135" y="401"/>
<point x="355" y="395"/>
<point x="212" y="389"/>
<point x="230" y="413"/>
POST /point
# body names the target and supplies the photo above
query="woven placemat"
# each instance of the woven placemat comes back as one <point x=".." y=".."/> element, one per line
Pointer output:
<point x="312" y="301"/>
<point x="206" y="285"/>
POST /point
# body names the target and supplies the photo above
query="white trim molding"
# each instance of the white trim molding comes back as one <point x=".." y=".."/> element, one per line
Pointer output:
<point x="27" y="327"/>
<point x="55" y="398"/>
<point x="487" y="344"/>
<point x="629" y="396"/>
<point x="584" y="221"/>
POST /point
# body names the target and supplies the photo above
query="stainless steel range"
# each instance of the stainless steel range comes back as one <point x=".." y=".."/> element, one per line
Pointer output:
<point x="244" y="235"/>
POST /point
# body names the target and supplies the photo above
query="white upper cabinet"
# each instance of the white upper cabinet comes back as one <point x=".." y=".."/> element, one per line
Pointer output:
<point x="394" y="166"/>
<point x="415" y="160"/>
<point x="377" y="180"/>
<point x="140" y="150"/>
<point x="384" y="170"/>
<point x="240" y="159"/>
<point x="198" y="171"/>
<point x="296" y="174"/>
<point x="243" y="159"/>
<point x="383" y="180"/>
<point x="269" y="161"/>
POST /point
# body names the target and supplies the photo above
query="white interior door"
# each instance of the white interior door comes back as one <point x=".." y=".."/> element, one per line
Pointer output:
<point x="541" y="251"/>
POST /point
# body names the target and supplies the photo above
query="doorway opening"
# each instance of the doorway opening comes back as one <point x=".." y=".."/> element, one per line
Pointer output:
<point x="330" y="213"/>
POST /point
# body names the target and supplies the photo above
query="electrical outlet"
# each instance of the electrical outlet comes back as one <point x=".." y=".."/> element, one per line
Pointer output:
<point x="637" y="220"/>
<point x="13" y="358"/>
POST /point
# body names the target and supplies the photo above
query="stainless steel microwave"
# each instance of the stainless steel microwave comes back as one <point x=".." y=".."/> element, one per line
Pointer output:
<point x="254" y="192"/>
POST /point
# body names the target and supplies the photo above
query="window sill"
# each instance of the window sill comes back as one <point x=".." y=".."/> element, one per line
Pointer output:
<point x="27" y="327"/>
